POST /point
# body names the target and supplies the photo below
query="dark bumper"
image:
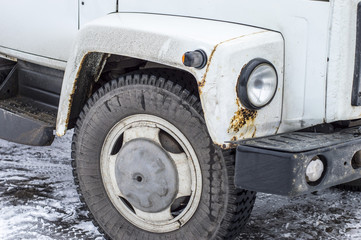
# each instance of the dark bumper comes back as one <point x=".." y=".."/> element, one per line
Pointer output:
<point x="278" y="164"/>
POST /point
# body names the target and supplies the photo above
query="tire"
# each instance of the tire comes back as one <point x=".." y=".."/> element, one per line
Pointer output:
<point x="127" y="130"/>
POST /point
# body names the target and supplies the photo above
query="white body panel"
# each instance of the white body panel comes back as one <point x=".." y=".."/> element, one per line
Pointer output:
<point x="13" y="55"/>
<point x="34" y="32"/>
<point x="93" y="9"/>
<point x="342" y="62"/>
<point x="219" y="98"/>
<point x="304" y="24"/>
<point x="154" y="38"/>
<point x="39" y="27"/>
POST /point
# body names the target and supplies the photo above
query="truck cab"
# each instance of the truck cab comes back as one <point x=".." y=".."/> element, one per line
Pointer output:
<point x="182" y="112"/>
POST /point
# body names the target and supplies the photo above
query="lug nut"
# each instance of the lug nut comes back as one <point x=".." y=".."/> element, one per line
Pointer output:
<point x="314" y="170"/>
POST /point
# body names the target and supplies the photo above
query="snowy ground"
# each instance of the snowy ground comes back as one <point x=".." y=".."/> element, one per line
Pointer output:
<point x="38" y="200"/>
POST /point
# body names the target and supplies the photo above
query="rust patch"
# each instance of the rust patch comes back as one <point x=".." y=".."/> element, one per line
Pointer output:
<point x="231" y="145"/>
<point x="73" y="89"/>
<point x="241" y="117"/>
<point x="203" y="81"/>
<point x="101" y="65"/>
<point x="278" y="128"/>
<point x="97" y="70"/>
<point x="228" y="145"/>
<point x="254" y="133"/>
<point x="14" y="59"/>
<point x="201" y="84"/>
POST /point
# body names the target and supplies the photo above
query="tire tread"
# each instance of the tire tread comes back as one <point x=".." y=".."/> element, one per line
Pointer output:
<point x="240" y="202"/>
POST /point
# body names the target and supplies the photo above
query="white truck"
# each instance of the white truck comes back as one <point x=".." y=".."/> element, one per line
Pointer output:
<point x="183" y="110"/>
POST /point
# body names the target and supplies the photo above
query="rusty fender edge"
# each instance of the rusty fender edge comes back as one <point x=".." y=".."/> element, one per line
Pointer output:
<point x="278" y="163"/>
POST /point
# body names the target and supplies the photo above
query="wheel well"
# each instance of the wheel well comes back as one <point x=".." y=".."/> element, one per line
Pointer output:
<point x="99" y="68"/>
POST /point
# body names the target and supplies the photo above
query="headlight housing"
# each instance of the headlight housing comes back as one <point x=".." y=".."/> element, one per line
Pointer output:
<point x="257" y="84"/>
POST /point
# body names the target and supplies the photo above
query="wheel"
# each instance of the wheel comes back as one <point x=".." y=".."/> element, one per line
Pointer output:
<point x="147" y="168"/>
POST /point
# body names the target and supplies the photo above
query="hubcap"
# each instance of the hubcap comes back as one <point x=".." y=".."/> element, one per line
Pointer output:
<point x="146" y="175"/>
<point x="151" y="173"/>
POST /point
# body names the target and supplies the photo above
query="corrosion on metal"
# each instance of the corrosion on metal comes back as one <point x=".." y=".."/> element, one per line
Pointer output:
<point x="254" y="132"/>
<point x="241" y="117"/>
<point x="14" y="59"/>
<point x="73" y="90"/>
<point x="203" y="81"/>
<point x="99" y="65"/>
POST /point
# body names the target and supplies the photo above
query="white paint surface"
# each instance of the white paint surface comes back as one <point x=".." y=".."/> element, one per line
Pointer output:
<point x="154" y="38"/>
<point x="342" y="62"/>
<point x="304" y="25"/>
<point x="93" y="9"/>
<point x="41" y="28"/>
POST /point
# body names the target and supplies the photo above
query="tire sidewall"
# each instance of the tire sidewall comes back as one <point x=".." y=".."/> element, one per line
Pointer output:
<point x="103" y="112"/>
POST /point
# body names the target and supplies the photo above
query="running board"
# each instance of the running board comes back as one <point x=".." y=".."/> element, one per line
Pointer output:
<point x="29" y="96"/>
<point x="24" y="130"/>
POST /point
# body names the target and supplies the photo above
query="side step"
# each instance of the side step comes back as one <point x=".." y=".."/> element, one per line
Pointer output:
<point x="34" y="127"/>
<point x="29" y="96"/>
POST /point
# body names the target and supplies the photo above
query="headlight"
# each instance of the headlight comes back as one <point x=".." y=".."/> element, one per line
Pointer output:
<point x="257" y="84"/>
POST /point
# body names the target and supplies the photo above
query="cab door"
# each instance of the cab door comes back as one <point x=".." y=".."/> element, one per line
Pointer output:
<point x="93" y="9"/>
<point x="45" y="28"/>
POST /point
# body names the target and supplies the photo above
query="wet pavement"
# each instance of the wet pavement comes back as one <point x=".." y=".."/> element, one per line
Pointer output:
<point x="38" y="200"/>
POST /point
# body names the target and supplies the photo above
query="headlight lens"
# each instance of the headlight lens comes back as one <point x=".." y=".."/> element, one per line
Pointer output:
<point x="257" y="84"/>
<point x="262" y="84"/>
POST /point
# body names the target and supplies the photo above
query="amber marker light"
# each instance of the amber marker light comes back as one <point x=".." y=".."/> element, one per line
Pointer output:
<point x="196" y="59"/>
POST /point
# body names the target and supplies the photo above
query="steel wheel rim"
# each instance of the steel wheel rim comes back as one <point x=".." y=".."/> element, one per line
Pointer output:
<point x="140" y="126"/>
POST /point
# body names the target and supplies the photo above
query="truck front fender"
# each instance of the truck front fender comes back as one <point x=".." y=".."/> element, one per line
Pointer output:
<point x="164" y="39"/>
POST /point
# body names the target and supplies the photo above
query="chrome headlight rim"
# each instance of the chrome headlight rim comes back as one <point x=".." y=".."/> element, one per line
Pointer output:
<point x="243" y="81"/>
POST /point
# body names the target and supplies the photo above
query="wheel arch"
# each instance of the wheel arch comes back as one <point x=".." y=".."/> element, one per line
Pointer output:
<point x="124" y="37"/>
<point x="98" y="68"/>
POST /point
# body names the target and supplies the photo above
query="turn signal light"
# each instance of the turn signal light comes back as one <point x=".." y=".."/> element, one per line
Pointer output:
<point x="196" y="59"/>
